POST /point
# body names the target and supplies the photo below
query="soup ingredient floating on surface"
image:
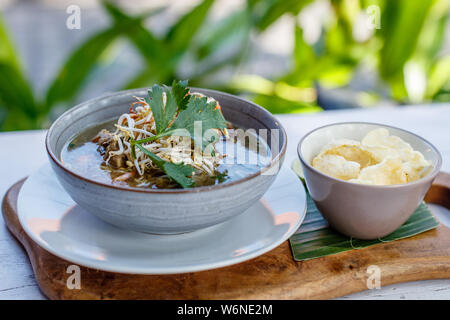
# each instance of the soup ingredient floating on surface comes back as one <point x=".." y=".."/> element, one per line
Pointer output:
<point x="171" y="134"/>
<point x="379" y="159"/>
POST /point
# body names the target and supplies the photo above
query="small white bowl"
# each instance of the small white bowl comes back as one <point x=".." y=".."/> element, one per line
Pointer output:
<point x="359" y="210"/>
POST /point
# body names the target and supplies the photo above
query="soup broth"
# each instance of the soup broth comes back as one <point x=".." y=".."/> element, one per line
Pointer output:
<point x="244" y="155"/>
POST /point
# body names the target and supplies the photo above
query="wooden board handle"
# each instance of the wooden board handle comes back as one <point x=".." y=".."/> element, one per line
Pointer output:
<point x="439" y="192"/>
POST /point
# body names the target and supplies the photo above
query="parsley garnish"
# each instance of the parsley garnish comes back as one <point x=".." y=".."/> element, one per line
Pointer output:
<point x="162" y="115"/>
<point x="181" y="93"/>
<point x="199" y="110"/>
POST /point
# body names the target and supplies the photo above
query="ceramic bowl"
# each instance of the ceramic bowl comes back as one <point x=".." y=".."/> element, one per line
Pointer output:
<point x="168" y="211"/>
<point x="357" y="210"/>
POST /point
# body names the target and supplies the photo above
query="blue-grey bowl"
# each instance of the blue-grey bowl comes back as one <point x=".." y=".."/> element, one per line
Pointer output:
<point x="164" y="211"/>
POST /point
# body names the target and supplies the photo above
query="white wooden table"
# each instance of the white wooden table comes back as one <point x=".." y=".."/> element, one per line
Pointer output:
<point x="24" y="152"/>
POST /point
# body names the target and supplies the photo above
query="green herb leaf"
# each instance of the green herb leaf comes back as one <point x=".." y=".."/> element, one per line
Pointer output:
<point x="163" y="114"/>
<point x="221" y="176"/>
<point x="180" y="173"/>
<point x="195" y="117"/>
<point x="200" y="110"/>
<point x="181" y="93"/>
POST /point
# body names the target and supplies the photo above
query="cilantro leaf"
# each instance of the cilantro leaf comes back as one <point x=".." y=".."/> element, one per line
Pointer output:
<point x="163" y="115"/>
<point x="181" y="93"/>
<point x="200" y="112"/>
<point x="221" y="176"/>
<point x="180" y="173"/>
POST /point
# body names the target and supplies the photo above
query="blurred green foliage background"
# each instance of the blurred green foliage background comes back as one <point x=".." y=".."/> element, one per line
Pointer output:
<point x="399" y="42"/>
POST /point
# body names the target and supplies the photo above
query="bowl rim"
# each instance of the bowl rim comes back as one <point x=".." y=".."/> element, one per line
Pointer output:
<point x="429" y="176"/>
<point x="56" y="160"/>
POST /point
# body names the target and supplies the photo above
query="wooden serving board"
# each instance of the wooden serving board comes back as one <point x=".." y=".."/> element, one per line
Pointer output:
<point x="274" y="275"/>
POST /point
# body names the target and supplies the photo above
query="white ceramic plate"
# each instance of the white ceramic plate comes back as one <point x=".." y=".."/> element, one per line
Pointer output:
<point x="52" y="219"/>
